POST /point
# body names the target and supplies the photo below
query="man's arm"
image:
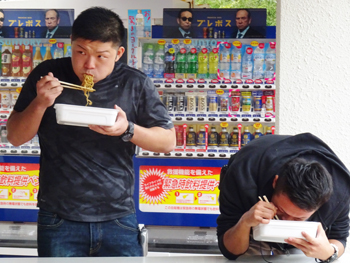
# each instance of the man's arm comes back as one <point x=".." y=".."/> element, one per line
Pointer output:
<point x="155" y="139"/>
<point x="236" y="239"/>
<point x="22" y="126"/>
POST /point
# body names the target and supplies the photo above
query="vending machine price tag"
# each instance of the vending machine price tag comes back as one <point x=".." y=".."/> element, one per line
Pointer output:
<point x="175" y="41"/>
<point x="187" y="41"/>
<point x="161" y="42"/>
<point x="254" y="43"/>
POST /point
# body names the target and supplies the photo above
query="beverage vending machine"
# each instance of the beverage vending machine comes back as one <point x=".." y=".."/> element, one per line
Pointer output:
<point x="19" y="166"/>
<point x="220" y="94"/>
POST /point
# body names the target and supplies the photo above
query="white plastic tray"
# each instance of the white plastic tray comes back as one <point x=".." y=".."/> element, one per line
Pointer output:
<point x="83" y="116"/>
<point x="279" y="230"/>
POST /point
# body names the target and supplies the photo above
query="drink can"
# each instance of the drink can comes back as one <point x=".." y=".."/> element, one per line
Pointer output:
<point x="179" y="135"/>
<point x="223" y="104"/>
<point x="213" y="103"/>
<point x="202" y="102"/>
<point x="191" y="103"/>
<point x="257" y="103"/>
<point x="169" y="103"/>
<point x="180" y="105"/>
<point x="236" y="103"/>
<point x="269" y="104"/>
<point x="246" y="103"/>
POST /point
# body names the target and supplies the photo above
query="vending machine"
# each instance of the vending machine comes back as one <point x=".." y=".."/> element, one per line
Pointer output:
<point x="220" y="94"/>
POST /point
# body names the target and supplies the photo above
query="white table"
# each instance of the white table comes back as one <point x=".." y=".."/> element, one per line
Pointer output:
<point x="174" y="259"/>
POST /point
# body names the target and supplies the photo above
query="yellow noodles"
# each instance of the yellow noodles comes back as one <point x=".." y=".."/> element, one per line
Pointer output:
<point x="88" y="82"/>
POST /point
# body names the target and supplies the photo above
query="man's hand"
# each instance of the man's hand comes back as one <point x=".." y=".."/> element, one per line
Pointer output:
<point x="261" y="212"/>
<point x="117" y="129"/>
<point x="315" y="247"/>
<point x="48" y="88"/>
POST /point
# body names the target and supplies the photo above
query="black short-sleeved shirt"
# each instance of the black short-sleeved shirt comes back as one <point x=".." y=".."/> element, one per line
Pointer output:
<point x="86" y="176"/>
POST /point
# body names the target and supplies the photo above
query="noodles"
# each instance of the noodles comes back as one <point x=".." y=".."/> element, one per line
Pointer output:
<point x="88" y="83"/>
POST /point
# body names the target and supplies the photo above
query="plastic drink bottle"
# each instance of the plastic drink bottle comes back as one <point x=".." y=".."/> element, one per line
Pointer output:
<point x="191" y="137"/>
<point x="181" y="63"/>
<point x="159" y="62"/>
<point x="246" y="136"/>
<point x="169" y="64"/>
<point x="213" y="137"/>
<point x="37" y="57"/>
<point x="147" y="61"/>
<point x="192" y="63"/>
<point x="224" y="137"/>
<point x="234" y="137"/>
<point x="270" y="60"/>
<point x="259" y="59"/>
<point x="6" y="62"/>
<point x="225" y="62"/>
<point x="140" y="24"/>
<point x="213" y="63"/>
<point x="27" y="61"/>
<point x="16" y="62"/>
<point x="257" y="133"/>
<point x="236" y="62"/>
<point x="201" y="137"/>
<point x="203" y="63"/>
<point x="48" y="54"/>
<point x="58" y="52"/>
<point x="247" y="64"/>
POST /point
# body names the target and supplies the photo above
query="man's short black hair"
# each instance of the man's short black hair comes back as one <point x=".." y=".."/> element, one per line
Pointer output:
<point x="184" y="10"/>
<point x="56" y="11"/>
<point x="249" y="14"/>
<point x="98" y="24"/>
<point x="307" y="184"/>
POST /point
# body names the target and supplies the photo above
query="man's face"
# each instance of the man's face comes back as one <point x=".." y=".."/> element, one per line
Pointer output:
<point x="242" y="20"/>
<point x="185" y="21"/>
<point x="51" y="20"/>
<point x="2" y="17"/>
<point x="94" y="57"/>
<point x="286" y="210"/>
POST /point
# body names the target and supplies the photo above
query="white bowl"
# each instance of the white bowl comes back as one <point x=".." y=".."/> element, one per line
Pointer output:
<point x="83" y="116"/>
<point x="279" y="230"/>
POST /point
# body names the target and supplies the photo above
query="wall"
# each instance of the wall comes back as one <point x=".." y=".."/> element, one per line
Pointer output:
<point x="313" y="62"/>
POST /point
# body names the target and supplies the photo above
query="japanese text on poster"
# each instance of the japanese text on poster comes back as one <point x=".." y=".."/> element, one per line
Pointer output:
<point x="179" y="189"/>
<point x="19" y="184"/>
<point x="139" y="26"/>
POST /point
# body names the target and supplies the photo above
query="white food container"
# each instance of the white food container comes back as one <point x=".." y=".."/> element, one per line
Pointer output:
<point x="279" y="230"/>
<point x="83" y="116"/>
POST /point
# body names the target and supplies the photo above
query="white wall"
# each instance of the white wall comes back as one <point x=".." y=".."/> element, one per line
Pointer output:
<point x="313" y="65"/>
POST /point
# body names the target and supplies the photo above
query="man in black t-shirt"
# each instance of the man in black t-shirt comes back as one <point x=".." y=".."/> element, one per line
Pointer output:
<point x="86" y="174"/>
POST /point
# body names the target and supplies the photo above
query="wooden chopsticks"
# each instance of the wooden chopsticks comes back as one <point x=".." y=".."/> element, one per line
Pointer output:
<point x="73" y="86"/>
<point x="267" y="201"/>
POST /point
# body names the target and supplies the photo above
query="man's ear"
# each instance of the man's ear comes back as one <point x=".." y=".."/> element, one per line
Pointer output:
<point x="178" y="21"/>
<point x="274" y="181"/>
<point x="120" y="52"/>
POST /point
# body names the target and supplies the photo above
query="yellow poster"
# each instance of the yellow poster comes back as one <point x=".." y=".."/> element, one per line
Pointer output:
<point x="179" y="189"/>
<point x="19" y="184"/>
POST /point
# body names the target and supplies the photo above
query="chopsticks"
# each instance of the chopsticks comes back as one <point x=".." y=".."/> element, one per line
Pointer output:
<point x="73" y="86"/>
<point x="267" y="201"/>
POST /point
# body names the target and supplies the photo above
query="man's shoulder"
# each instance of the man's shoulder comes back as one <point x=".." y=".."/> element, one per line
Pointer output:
<point x="63" y="31"/>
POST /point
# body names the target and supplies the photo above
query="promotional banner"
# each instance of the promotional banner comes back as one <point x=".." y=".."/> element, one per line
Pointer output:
<point x="179" y="189"/>
<point x="139" y="26"/>
<point x="36" y="23"/>
<point x="214" y="23"/>
<point x="19" y="184"/>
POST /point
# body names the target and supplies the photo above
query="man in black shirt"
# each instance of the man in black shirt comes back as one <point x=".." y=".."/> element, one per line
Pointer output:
<point x="86" y="174"/>
<point x="302" y="178"/>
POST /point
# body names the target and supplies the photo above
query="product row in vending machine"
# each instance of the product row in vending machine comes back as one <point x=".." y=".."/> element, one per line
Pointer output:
<point x="188" y="60"/>
<point x="18" y="60"/>
<point x="219" y="103"/>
